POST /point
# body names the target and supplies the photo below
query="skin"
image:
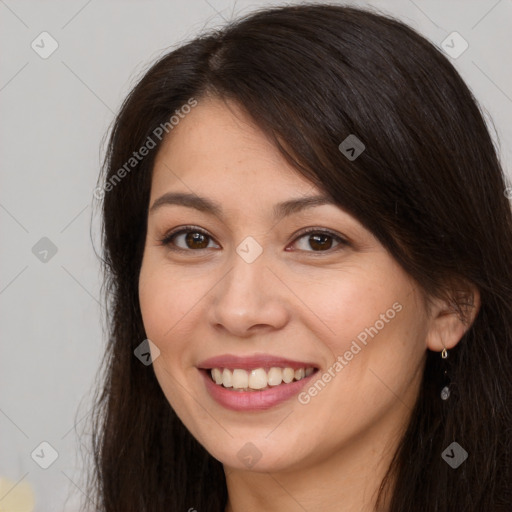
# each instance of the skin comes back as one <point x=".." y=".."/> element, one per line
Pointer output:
<point x="303" y="303"/>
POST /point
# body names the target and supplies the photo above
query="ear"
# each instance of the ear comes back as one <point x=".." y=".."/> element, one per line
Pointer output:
<point x="448" y="324"/>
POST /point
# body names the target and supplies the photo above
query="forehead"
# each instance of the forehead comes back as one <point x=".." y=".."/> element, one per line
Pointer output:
<point x="218" y="144"/>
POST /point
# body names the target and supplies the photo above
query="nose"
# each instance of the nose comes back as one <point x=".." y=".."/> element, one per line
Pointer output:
<point x="249" y="299"/>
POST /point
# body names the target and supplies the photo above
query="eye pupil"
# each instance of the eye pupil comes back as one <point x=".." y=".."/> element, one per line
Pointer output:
<point x="317" y="241"/>
<point x="195" y="237"/>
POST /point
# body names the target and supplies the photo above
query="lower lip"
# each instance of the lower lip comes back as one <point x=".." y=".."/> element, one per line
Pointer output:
<point x="253" y="400"/>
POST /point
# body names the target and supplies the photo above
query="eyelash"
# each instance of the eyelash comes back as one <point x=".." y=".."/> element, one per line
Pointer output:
<point x="167" y="240"/>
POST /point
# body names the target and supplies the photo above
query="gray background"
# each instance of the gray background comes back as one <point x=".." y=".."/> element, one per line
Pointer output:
<point x="55" y="113"/>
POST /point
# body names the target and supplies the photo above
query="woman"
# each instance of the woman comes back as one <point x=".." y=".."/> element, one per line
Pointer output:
<point x="307" y="254"/>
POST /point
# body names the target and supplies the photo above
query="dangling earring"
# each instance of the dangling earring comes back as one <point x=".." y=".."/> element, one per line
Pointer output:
<point x="445" y="392"/>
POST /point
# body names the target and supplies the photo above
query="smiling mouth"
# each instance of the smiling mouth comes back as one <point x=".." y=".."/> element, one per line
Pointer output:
<point x="258" y="379"/>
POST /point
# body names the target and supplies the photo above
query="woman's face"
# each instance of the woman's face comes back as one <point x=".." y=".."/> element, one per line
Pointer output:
<point x="244" y="285"/>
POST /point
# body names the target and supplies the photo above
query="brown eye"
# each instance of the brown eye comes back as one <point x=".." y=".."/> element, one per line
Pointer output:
<point x="187" y="239"/>
<point x="315" y="240"/>
<point x="196" y="240"/>
<point x="321" y="242"/>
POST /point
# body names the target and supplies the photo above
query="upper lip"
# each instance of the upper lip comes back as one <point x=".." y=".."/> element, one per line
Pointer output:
<point x="252" y="362"/>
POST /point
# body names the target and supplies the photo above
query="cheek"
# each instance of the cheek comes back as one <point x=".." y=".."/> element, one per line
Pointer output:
<point x="167" y="300"/>
<point x="346" y="307"/>
<point x="373" y="329"/>
<point x="377" y="349"/>
<point x="153" y="298"/>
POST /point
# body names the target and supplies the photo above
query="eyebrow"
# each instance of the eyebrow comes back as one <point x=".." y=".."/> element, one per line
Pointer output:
<point x="203" y="204"/>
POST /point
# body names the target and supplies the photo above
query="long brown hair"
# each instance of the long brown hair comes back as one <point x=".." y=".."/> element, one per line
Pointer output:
<point x="429" y="186"/>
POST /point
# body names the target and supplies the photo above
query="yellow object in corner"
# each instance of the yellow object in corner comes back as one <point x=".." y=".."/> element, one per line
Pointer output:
<point x="16" y="498"/>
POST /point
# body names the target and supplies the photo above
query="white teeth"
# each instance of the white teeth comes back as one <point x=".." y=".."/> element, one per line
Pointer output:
<point x="288" y="375"/>
<point x="257" y="379"/>
<point x="275" y="376"/>
<point x="217" y="376"/>
<point x="240" y="379"/>
<point x="227" y="378"/>
<point x="299" y="373"/>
